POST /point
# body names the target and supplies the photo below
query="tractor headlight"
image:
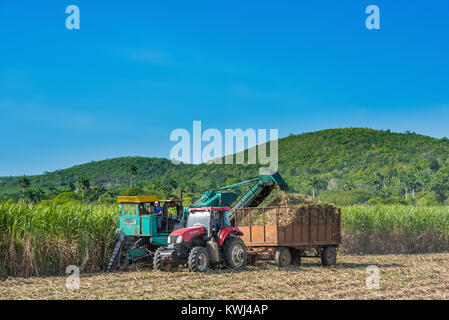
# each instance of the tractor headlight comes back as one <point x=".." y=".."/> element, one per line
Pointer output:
<point x="175" y="239"/>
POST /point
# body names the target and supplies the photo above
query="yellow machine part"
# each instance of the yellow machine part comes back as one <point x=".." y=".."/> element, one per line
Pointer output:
<point x="137" y="199"/>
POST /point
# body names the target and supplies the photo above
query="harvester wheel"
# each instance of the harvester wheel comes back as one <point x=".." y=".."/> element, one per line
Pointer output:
<point x="235" y="254"/>
<point x="198" y="259"/>
<point x="283" y="257"/>
<point x="157" y="262"/>
<point x="329" y="256"/>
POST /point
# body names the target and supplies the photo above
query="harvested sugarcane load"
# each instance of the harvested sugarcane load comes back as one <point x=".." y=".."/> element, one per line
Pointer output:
<point x="290" y="226"/>
<point x="285" y="209"/>
<point x="285" y="199"/>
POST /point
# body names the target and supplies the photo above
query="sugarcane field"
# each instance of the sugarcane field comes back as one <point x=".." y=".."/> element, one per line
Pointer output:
<point x="395" y="256"/>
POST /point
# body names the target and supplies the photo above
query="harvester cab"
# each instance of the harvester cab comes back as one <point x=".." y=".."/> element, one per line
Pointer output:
<point x="140" y="232"/>
<point x="207" y="240"/>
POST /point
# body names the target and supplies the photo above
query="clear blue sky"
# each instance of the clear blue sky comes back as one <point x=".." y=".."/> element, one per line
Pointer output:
<point x="136" y="70"/>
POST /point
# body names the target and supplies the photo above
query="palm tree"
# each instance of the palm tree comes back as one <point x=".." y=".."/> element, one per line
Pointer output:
<point x="30" y="195"/>
<point x="83" y="185"/>
<point x="53" y="190"/>
<point x="317" y="184"/>
<point x="132" y="170"/>
<point x="71" y="187"/>
<point x="172" y="182"/>
<point x="24" y="184"/>
<point x="191" y="186"/>
<point x="39" y="194"/>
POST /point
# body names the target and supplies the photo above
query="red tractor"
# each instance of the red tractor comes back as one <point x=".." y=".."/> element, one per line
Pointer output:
<point x="207" y="240"/>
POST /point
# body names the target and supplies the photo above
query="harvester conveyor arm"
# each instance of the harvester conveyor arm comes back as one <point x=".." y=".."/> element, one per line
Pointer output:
<point x="258" y="192"/>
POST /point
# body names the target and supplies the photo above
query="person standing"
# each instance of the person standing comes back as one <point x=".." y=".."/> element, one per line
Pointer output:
<point x="158" y="213"/>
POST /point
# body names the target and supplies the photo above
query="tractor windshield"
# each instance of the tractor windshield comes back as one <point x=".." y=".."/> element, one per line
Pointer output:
<point x="129" y="209"/>
<point x="224" y="219"/>
<point x="198" y="218"/>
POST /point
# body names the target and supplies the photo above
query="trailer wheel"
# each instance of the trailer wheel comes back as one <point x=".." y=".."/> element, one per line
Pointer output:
<point x="283" y="257"/>
<point x="198" y="259"/>
<point x="235" y="254"/>
<point x="329" y="256"/>
<point x="296" y="256"/>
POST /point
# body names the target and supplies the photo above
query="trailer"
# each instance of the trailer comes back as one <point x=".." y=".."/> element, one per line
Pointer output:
<point x="272" y="233"/>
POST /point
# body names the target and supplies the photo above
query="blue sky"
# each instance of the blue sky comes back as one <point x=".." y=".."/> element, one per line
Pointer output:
<point x="136" y="70"/>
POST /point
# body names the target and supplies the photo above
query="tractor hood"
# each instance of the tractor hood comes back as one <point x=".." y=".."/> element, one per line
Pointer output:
<point x="188" y="233"/>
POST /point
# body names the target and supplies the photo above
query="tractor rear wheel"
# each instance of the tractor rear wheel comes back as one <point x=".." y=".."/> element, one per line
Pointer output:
<point x="235" y="254"/>
<point x="198" y="259"/>
<point x="329" y="256"/>
<point x="283" y="257"/>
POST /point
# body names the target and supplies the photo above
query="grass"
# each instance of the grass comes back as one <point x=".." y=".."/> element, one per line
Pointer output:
<point x="401" y="277"/>
<point x="43" y="239"/>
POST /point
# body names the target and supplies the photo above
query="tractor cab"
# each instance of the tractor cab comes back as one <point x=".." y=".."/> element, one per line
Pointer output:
<point x="214" y="219"/>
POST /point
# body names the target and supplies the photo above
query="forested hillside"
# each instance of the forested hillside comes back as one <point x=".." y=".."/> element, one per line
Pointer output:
<point x="346" y="166"/>
<point x="360" y="164"/>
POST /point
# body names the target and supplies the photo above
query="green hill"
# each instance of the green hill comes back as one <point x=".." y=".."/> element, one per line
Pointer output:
<point x="352" y="165"/>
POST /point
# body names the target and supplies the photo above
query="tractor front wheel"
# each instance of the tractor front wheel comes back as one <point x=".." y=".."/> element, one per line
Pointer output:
<point x="198" y="259"/>
<point x="235" y="254"/>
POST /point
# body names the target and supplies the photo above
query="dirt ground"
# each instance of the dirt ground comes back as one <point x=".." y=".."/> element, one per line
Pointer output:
<point x="422" y="276"/>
